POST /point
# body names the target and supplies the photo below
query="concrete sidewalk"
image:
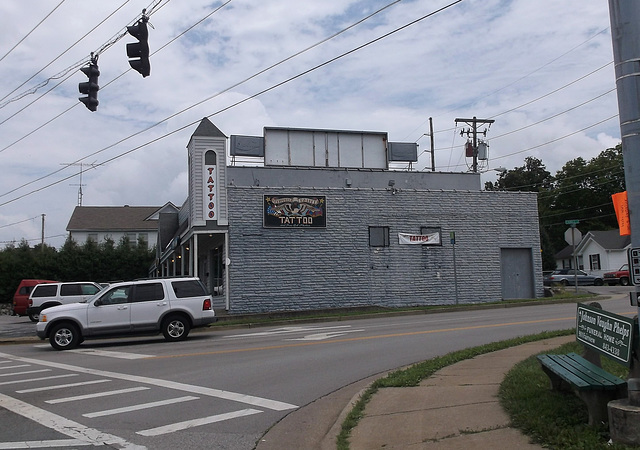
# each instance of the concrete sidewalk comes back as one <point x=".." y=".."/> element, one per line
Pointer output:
<point x="456" y="408"/>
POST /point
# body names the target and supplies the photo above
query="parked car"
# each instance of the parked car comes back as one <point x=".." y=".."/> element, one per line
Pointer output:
<point x="45" y="296"/>
<point x="620" y="276"/>
<point x="567" y="277"/>
<point x="171" y="306"/>
<point x="21" y="297"/>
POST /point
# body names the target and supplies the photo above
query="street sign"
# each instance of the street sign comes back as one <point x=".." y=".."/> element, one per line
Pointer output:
<point x="605" y="332"/>
<point x="573" y="236"/>
<point x="572" y="222"/>
<point x="633" y="257"/>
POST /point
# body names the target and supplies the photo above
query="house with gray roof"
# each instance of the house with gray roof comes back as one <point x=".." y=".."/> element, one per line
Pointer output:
<point x="597" y="252"/>
<point x="98" y="223"/>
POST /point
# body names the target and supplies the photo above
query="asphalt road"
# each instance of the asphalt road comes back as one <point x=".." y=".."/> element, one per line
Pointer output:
<point x="225" y="388"/>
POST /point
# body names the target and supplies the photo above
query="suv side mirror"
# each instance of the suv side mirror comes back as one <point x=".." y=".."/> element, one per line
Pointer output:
<point x="97" y="302"/>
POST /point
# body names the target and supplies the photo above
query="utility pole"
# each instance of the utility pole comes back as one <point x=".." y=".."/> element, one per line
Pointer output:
<point x="433" y="156"/>
<point x="472" y="131"/>
<point x="42" y="240"/>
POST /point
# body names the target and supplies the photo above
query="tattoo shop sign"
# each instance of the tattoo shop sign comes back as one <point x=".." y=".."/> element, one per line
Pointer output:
<point x="288" y="211"/>
<point x="420" y="239"/>
<point x="605" y="332"/>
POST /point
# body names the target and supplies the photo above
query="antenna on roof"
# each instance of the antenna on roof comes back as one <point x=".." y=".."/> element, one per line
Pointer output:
<point x="92" y="166"/>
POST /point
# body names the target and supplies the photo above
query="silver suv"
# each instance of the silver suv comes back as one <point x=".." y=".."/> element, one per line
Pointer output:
<point x="171" y="306"/>
<point x="45" y="296"/>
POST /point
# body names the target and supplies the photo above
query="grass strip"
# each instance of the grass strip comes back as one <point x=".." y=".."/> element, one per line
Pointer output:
<point x="414" y="374"/>
<point x="550" y="418"/>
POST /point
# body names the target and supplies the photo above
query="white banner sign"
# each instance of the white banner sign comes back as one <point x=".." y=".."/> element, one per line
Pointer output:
<point x="419" y="239"/>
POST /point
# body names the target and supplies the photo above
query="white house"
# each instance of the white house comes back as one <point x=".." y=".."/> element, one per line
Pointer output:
<point x="597" y="252"/>
<point x="98" y="223"/>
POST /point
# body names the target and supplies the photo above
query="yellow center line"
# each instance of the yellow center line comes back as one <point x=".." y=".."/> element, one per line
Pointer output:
<point x="364" y="338"/>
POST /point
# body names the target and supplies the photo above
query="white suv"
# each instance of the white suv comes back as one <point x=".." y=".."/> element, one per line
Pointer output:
<point x="45" y="296"/>
<point x="171" y="306"/>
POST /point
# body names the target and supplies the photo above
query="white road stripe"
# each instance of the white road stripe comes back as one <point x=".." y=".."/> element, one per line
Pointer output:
<point x="200" y="390"/>
<point x="97" y="394"/>
<point x="65" y="443"/>
<point x="110" y="354"/>
<point x="24" y="373"/>
<point x="197" y="422"/>
<point x="64" y="426"/>
<point x="110" y="412"/>
<point x="39" y="379"/>
<point x="14" y="367"/>
<point x="61" y="386"/>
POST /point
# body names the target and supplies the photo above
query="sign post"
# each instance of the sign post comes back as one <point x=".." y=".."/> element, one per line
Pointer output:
<point x="452" y="236"/>
<point x="572" y="236"/>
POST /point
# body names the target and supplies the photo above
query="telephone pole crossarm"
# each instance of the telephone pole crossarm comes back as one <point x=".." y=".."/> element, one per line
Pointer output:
<point x="473" y="131"/>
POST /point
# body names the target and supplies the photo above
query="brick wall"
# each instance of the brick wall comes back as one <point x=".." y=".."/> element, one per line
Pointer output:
<point x="305" y="269"/>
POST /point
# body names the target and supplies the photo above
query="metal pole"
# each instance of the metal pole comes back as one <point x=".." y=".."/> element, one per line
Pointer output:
<point x="42" y="239"/>
<point x="625" y="34"/>
<point x="575" y="258"/>
<point x="433" y="156"/>
<point x="452" y="235"/>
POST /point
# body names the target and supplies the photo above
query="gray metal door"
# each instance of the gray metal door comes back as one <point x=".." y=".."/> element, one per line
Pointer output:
<point x="516" y="271"/>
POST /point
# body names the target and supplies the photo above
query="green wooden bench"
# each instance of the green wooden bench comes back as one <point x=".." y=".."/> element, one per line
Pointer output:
<point x="595" y="386"/>
<point x="602" y="334"/>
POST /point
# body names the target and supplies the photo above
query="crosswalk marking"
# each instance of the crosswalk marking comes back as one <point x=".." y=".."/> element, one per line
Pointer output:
<point x="65" y="426"/>
<point x="24" y="373"/>
<point x="97" y="394"/>
<point x="197" y="422"/>
<point x="52" y="443"/>
<point x="61" y="386"/>
<point x="157" y="382"/>
<point x="39" y="379"/>
<point x="14" y="367"/>
<point x="110" y="412"/>
<point x="109" y="354"/>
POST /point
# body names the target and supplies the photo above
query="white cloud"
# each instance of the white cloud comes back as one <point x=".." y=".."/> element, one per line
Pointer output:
<point x="507" y="60"/>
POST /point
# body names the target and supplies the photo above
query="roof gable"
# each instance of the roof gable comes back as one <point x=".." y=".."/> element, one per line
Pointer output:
<point x="207" y="129"/>
<point x="112" y="218"/>
<point x="608" y="240"/>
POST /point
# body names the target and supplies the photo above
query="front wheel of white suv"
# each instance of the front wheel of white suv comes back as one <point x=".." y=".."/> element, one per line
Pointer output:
<point x="175" y="328"/>
<point x="64" y="336"/>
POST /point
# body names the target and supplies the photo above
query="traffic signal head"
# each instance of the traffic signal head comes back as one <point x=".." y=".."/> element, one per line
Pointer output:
<point x="90" y="88"/>
<point x="139" y="50"/>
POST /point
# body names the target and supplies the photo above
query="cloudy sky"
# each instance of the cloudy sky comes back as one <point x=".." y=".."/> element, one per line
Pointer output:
<point x="541" y="69"/>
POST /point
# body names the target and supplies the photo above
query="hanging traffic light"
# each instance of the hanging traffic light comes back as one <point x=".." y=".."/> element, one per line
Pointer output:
<point x="139" y="50"/>
<point x="90" y="88"/>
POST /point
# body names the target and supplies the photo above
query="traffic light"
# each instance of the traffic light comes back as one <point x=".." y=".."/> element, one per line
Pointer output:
<point x="139" y="50"/>
<point x="90" y="88"/>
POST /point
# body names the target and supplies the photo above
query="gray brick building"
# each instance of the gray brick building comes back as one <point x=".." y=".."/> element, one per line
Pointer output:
<point x="317" y="220"/>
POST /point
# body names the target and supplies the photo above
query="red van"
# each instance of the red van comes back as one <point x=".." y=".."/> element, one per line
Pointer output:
<point x="21" y="297"/>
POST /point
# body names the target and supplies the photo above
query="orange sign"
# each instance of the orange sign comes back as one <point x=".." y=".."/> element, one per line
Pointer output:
<point x="621" y="205"/>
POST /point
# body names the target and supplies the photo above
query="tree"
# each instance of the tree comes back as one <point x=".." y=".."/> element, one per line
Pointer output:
<point x="583" y="192"/>
<point x="533" y="176"/>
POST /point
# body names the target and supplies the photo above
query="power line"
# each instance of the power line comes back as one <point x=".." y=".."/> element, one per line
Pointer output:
<point x="18" y="223"/>
<point x="195" y="104"/>
<point x="32" y="30"/>
<point x="275" y="86"/>
<point x="64" y="52"/>
<point x="473" y="102"/>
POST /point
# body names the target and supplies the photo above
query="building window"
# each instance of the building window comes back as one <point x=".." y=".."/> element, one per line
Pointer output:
<point x="92" y="237"/>
<point x="378" y="236"/>
<point x="144" y="238"/>
<point x="594" y="261"/>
